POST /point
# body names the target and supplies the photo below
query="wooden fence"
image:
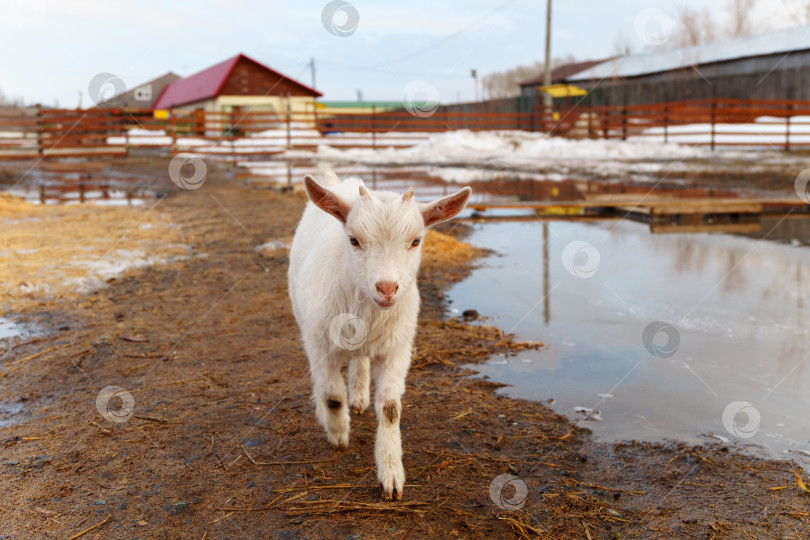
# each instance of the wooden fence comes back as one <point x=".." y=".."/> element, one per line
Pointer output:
<point x="39" y="132"/>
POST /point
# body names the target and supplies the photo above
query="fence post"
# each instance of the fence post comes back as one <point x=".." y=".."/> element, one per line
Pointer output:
<point x="605" y="112"/>
<point x="713" y="114"/>
<point x="590" y="122"/>
<point x="787" y="129"/>
<point x="289" y="124"/>
<point x="173" y="120"/>
<point x="315" y="114"/>
<point x="373" y="126"/>
<point x="39" y="128"/>
<point x="666" y="123"/>
<point x="123" y="127"/>
<point x="624" y="123"/>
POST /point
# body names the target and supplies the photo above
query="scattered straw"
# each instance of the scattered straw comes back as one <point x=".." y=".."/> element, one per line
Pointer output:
<point x="278" y="463"/>
<point x="87" y="530"/>
<point x="800" y="482"/>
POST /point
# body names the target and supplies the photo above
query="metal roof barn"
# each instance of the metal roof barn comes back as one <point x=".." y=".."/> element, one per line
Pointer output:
<point x="773" y="65"/>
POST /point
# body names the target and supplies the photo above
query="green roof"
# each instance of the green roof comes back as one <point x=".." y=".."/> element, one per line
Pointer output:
<point x="355" y="104"/>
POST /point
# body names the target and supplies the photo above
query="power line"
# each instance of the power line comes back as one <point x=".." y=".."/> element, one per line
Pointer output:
<point x="344" y="67"/>
<point x="445" y="39"/>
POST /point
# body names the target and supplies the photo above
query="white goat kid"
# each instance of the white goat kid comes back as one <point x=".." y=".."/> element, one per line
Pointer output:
<point x="352" y="283"/>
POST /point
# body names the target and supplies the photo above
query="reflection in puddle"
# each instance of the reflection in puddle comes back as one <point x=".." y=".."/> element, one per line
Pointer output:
<point x="72" y="181"/>
<point x="737" y="304"/>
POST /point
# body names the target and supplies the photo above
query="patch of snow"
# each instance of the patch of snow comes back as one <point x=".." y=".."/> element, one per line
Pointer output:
<point x="762" y="130"/>
<point x="516" y="150"/>
<point x="592" y="415"/>
<point x="268" y="248"/>
<point x="100" y="271"/>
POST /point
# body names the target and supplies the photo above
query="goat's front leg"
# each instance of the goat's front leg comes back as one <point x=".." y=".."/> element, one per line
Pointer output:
<point x="389" y="378"/>
<point x="331" y="407"/>
<point x="359" y="375"/>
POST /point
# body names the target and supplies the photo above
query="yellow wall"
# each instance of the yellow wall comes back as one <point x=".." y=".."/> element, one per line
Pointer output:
<point x="298" y="104"/>
<point x="360" y="109"/>
<point x="214" y="127"/>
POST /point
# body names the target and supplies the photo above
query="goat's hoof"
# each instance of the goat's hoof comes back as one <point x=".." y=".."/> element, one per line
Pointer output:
<point x="359" y="402"/>
<point x="392" y="481"/>
<point x="339" y="441"/>
<point x="358" y="409"/>
<point x="391" y="494"/>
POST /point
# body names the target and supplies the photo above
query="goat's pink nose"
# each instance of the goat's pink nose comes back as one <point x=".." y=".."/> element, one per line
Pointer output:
<point x="387" y="288"/>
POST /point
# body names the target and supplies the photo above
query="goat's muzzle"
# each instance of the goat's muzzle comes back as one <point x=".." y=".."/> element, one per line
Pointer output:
<point x="387" y="291"/>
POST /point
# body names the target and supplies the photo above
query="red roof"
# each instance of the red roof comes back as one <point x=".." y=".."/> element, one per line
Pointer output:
<point x="559" y="74"/>
<point x="207" y="83"/>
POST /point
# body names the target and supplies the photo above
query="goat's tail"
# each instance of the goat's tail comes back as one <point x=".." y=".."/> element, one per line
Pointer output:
<point x="327" y="175"/>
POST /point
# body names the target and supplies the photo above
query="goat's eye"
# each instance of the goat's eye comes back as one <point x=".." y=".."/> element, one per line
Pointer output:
<point x="416" y="242"/>
<point x="353" y="241"/>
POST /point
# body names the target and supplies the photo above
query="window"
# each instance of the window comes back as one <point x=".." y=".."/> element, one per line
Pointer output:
<point x="144" y="93"/>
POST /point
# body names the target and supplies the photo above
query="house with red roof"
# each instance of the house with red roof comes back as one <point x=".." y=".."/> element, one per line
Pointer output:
<point x="238" y="85"/>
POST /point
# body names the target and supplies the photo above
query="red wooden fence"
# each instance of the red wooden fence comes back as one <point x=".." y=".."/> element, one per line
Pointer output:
<point x="35" y="132"/>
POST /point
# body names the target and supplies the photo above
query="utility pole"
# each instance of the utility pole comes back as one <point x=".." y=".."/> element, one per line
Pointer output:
<point x="312" y="68"/>
<point x="474" y="73"/>
<point x="547" y="67"/>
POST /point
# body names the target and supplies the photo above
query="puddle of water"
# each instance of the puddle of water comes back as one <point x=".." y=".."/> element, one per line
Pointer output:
<point x="489" y="184"/>
<point x="67" y="194"/>
<point x="737" y="304"/>
<point x="72" y="181"/>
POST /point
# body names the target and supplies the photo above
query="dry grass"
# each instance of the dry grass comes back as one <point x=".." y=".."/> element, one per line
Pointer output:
<point x="60" y="251"/>
<point x="443" y="249"/>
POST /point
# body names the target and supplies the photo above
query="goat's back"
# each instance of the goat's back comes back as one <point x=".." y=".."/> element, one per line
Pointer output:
<point x="318" y="277"/>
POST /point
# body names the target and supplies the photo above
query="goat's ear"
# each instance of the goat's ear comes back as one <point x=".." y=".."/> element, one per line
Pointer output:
<point x="325" y="199"/>
<point x="445" y="208"/>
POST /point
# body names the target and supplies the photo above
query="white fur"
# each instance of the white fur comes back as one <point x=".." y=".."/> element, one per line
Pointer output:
<point x="332" y="286"/>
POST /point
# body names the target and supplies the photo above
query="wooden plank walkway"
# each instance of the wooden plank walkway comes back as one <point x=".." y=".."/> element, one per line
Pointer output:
<point x="663" y="214"/>
<point x="653" y="205"/>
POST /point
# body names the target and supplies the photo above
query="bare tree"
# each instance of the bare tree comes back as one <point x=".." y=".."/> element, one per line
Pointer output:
<point x="622" y="46"/>
<point x="695" y="27"/>
<point x="797" y="11"/>
<point x="739" y="14"/>
<point x="11" y="101"/>
<point x="504" y="84"/>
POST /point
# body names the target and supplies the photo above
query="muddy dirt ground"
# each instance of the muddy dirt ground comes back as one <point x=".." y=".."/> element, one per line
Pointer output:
<point x="223" y="443"/>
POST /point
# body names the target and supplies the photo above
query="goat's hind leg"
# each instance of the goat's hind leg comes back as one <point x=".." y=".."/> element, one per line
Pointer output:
<point x="331" y="407"/>
<point x="359" y="380"/>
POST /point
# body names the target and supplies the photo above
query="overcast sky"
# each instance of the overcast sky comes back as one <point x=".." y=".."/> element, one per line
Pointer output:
<point x="52" y="49"/>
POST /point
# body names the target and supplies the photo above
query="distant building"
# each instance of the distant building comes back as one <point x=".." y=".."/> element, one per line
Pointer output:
<point x="239" y="83"/>
<point x="773" y="65"/>
<point x="142" y="96"/>
<point x="559" y="75"/>
<point x="361" y="107"/>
